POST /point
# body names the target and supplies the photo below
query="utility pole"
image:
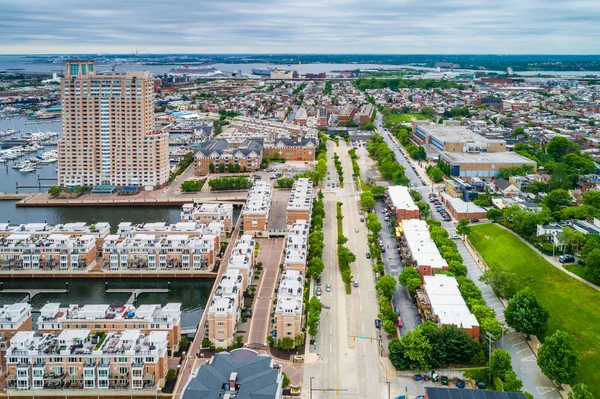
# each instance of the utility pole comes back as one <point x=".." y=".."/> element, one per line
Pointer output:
<point x="489" y="337"/>
<point x="311" y="378"/>
<point x="389" y="394"/>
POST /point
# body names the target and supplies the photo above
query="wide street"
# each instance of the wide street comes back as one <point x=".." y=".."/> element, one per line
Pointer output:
<point x="523" y="358"/>
<point x="347" y="343"/>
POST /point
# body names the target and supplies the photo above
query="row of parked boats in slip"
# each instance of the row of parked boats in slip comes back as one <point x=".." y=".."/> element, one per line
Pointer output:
<point x="31" y="164"/>
<point x="8" y="132"/>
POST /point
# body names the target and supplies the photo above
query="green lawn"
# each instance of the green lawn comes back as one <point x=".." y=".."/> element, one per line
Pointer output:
<point x="574" y="307"/>
<point x="397" y="118"/>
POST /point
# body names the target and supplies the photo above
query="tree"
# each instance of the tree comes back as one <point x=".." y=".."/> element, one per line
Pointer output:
<point x="580" y="391"/>
<point x="503" y="282"/>
<point x="558" y="198"/>
<point x="491" y="325"/>
<point x="191" y="186"/>
<point x="493" y="214"/>
<point x="386" y="286"/>
<point x="299" y="340"/>
<point x="54" y="191"/>
<point x="211" y="167"/>
<point x="221" y="167"/>
<point x="286" y="381"/>
<point x="407" y="274"/>
<point x="557" y="358"/>
<point x="457" y="268"/>
<point x="512" y="383"/>
<point x="429" y="111"/>
<point x="462" y="227"/>
<point x="389" y="327"/>
<point x="171" y="375"/>
<point x="559" y="178"/>
<point x="558" y="147"/>
<point x="500" y="363"/>
<point x="591" y="198"/>
<point x="417" y="350"/>
<point x="315" y="267"/>
<point x="367" y="201"/>
<point x="572" y="237"/>
<point x="416" y="195"/>
<point x="377" y="191"/>
<point x="435" y="174"/>
<point x="373" y="223"/>
<point x="412" y="285"/>
<point x="285" y="343"/>
<point x="396" y="354"/>
<point x="526" y="314"/>
<point x="592" y="265"/>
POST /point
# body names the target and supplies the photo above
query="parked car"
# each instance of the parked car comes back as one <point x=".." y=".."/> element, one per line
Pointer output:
<point x="455" y="237"/>
<point x="447" y="219"/>
<point x="328" y="288"/>
<point x="444" y="380"/>
<point x="356" y="229"/>
<point x="397" y="310"/>
<point x="475" y="221"/>
<point x="382" y="250"/>
<point x="418" y="377"/>
<point x="368" y="255"/>
<point x="399" y="323"/>
<point x="566" y="258"/>
<point x="362" y="219"/>
<point x="319" y="281"/>
<point x="360" y="212"/>
<point x="355" y="283"/>
<point x="319" y="292"/>
<point x="377" y="323"/>
<point x="460" y="383"/>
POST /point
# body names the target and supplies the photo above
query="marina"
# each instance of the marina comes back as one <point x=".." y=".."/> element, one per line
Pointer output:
<point x="191" y="293"/>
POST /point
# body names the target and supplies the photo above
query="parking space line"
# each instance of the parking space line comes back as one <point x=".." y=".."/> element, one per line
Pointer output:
<point x="523" y="350"/>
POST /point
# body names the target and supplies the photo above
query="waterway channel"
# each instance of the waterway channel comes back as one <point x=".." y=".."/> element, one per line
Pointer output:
<point x="191" y="293"/>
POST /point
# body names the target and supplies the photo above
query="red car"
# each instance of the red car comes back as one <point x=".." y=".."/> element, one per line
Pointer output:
<point x="399" y="321"/>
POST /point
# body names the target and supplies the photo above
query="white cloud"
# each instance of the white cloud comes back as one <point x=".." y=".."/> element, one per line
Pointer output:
<point x="309" y="26"/>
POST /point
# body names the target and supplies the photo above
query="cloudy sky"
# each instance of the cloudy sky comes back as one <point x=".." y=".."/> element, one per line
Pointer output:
<point x="304" y="26"/>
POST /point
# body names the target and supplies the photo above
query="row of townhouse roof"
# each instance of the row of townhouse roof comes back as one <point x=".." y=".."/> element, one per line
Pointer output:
<point x="257" y="208"/>
<point x="301" y="201"/>
<point x="419" y="249"/>
<point x="241" y="128"/>
<point x="289" y="308"/>
<point x="128" y="359"/>
<point x="224" y="311"/>
<point x="207" y="213"/>
<point x="296" y="247"/>
<point x="92" y="346"/>
<point x="155" y="252"/>
<point x="149" y="246"/>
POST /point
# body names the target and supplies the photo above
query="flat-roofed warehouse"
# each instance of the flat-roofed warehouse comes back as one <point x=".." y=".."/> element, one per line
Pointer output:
<point x="452" y="137"/>
<point x="483" y="164"/>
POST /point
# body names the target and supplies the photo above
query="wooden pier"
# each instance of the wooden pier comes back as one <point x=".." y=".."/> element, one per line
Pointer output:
<point x="33" y="292"/>
<point x="136" y="292"/>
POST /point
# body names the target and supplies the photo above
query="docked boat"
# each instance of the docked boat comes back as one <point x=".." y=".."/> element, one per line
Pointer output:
<point x="27" y="169"/>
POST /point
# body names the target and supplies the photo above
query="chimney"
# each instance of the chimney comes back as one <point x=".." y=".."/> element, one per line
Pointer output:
<point x="232" y="379"/>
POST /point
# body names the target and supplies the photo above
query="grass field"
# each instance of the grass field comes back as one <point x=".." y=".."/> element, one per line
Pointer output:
<point x="574" y="307"/>
<point x="396" y="118"/>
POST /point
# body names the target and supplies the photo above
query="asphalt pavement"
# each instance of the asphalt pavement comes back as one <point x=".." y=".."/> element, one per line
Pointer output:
<point x="393" y="267"/>
<point x="523" y="359"/>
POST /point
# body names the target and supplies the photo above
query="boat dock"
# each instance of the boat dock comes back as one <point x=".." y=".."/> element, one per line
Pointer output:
<point x="136" y="292"/>
<point x="33" y="292"/>
<point x="13" y="196"/>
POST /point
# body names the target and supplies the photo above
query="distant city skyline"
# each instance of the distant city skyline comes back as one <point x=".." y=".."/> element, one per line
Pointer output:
<point x="310" y="26"/>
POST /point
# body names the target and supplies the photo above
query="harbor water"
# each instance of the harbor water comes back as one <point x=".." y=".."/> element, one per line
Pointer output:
<point x="191" y="293"/>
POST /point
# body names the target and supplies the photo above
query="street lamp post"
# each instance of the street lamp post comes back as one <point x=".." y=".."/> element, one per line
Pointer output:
<point x="489" y="336"/>
<point x="311" y="379"/>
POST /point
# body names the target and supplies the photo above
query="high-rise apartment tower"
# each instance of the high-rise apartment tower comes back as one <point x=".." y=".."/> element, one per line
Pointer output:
<point x="108" y="134"/>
